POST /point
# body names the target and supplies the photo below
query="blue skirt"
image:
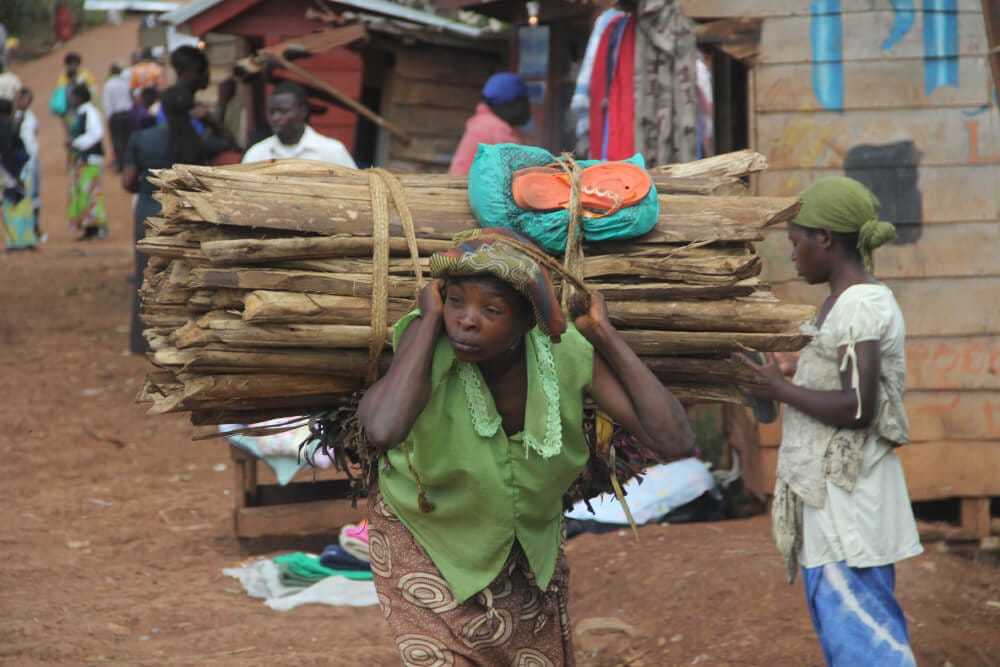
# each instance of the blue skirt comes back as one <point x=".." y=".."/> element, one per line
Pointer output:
<point x="856" y="615"/>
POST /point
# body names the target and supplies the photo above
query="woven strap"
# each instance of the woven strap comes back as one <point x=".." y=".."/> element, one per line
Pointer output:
<point x="381" y="186"/>
<point x="573" y="257"/>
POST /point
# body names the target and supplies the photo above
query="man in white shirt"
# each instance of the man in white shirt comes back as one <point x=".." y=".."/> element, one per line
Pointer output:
<point x="287" y="113"/>
<point x="117" y="102"/>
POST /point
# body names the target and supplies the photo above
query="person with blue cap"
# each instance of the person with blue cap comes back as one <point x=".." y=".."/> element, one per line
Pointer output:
<point x="505" y="106"/>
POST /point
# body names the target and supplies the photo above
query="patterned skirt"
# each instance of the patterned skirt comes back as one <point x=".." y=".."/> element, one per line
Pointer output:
<point x="511" y="622"/>
<point x="86" y="200"/>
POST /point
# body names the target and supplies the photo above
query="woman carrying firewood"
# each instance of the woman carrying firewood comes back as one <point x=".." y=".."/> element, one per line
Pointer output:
<point x="841" y="511"/>
<point x="480" y="418"/>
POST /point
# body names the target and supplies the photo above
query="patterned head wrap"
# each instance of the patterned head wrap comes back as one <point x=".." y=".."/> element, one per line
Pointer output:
<point x="504" y="254"/>
<point x="841" y="204"/>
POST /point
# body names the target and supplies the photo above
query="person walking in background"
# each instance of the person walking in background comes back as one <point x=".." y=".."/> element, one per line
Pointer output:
<point x="142" y="113"/>
<point x="86" y="157"/>
<point x="15" y="207"/>
<point x="73" y="74"/>
<point x="117" y="102"/>
<point x="191" y="67"/>
<point x="145" y="73"/>
<point x="505" y="106"/>
<point x="841" y="511"/>
<point x="288" y="115"/>
<point x="9" y="84"/>
<point x="158" y="147"/>
<point x="27" y="124"/>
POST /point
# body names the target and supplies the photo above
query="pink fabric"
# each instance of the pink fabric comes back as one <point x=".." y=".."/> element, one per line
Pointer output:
<point x="485" y="127"/>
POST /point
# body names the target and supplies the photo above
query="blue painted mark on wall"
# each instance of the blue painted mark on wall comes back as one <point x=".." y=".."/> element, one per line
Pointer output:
<point x="827" y="54"/>
<point x="940" y="43"/>
<point x="904" y="14"/>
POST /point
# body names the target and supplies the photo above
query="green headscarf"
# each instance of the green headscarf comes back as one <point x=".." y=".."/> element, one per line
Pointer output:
<point x="841" y="204"/>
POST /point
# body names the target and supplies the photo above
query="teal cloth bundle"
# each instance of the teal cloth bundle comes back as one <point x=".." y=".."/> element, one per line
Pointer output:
<point x="493" y="204"/>
<point x="302" y="569"/>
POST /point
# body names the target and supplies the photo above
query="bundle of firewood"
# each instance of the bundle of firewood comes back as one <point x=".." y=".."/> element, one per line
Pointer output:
<point x="257" y="296"/>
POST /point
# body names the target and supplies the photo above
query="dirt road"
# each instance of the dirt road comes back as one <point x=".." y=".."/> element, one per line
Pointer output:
<point x="116" y="525"/>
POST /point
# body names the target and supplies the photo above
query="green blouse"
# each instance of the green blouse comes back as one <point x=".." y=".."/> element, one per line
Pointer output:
<point x="488" y="489"/>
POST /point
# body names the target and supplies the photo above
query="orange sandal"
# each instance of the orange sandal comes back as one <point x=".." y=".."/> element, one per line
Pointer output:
<point x="605" y="188"/>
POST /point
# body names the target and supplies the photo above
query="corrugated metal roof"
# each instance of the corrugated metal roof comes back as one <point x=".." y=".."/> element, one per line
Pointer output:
<point x="382" y="7"/>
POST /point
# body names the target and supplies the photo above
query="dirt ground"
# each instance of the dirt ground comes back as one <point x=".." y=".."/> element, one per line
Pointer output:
<point x="117" y="525"/>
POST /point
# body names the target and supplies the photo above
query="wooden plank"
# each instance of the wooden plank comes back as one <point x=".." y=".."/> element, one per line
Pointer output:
<point x="816" y="140"/>
<point x="942" y="251"/>
<point x="932" y="308"/>
<point x="424" y="121"/>
<point x="435" y="65"/>
<point x="428" y="149"/>
<point x="892" y="83"/>
<point x="978" y="183"/>
<point x="953" y="363"/>
<point x="437" y="94"/>
<point x="935" y="416"/>
<point x="975" y="516"/>
<point x="709" y="9"/>
<point x="864" y="34"/>
<point x="934" y="470"/>
<point x="316" y="517"/>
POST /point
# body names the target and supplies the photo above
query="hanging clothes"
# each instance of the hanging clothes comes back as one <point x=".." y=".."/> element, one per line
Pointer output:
<point x="612" y="104"/>
<point x="580" y="104"/>
<point x="665" y="73"/>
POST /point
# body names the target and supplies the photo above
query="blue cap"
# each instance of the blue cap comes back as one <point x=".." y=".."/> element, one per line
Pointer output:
<point x="504" y="87"/>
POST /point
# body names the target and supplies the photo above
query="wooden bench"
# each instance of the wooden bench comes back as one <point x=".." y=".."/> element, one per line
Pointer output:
<point x="298" y="508"/>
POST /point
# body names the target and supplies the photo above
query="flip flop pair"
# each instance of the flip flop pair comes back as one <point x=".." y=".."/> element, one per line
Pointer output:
<point x="605" y="188"/>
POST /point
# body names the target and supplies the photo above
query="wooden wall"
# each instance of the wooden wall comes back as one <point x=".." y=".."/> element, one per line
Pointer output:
<point x="905" y="102"/>
<point x="430" y="93"/>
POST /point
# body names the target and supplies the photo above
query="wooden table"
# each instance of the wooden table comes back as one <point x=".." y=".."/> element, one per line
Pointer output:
<point x="298" y="508"/>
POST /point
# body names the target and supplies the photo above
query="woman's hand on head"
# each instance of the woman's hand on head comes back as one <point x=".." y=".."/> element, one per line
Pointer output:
<point x="431" y="299"/>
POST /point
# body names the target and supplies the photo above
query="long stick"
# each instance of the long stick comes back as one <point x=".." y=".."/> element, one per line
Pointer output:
<point x="352" y="104"/>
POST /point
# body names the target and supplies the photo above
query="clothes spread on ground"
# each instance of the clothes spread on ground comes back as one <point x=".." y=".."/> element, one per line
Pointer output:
<point x="303" y="568"/>
<point x="856" y="615"/>
<point x="312" y="146"/>
<point x="336" y="557"/>
<point x="485" y="127"/>
<point x="262" y="579"/>
<point x="828" y="477"/>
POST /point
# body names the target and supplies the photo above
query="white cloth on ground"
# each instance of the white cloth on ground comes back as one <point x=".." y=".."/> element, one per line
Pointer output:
<point x="664" y="488"/>
<point x="261" y="579"/>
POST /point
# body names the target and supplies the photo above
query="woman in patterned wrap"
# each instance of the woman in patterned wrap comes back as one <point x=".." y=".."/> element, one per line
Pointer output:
<point x="480" y="418"/>
<point x="841" y="511"/>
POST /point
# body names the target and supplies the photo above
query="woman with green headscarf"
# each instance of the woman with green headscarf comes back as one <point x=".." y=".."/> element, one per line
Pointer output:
<point x="841" y="511"/>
